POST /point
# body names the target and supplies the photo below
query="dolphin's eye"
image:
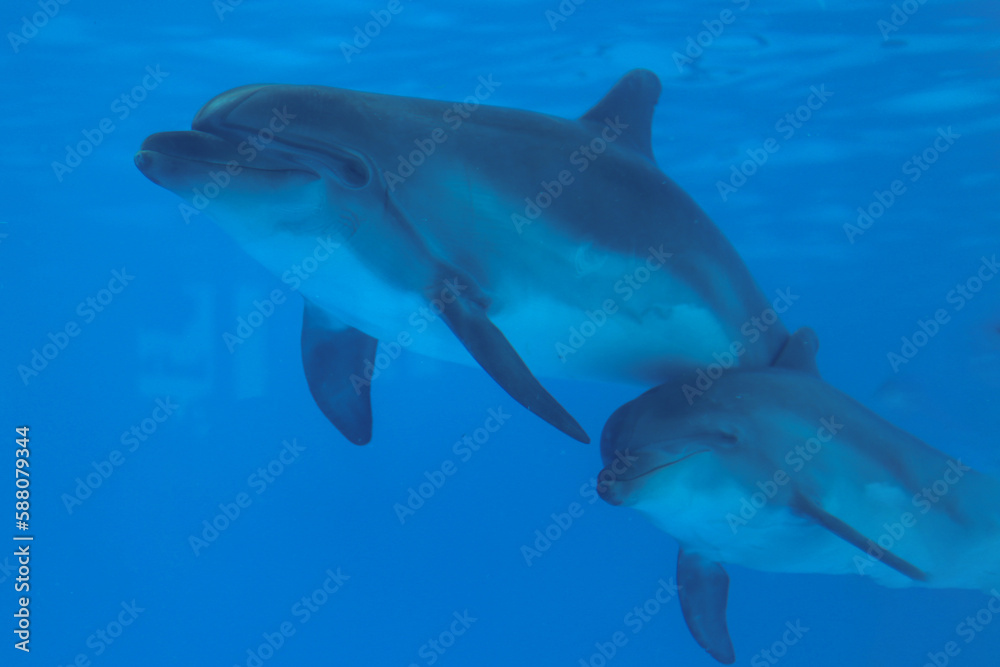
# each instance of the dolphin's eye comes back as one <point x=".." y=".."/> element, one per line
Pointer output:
<point x="348" y="168"/>
<point x="728" y="436"/>
<point x="352" y="172"/>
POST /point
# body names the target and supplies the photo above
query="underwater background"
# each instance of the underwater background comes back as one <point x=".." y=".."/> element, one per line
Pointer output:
<point x="120" y="550"/>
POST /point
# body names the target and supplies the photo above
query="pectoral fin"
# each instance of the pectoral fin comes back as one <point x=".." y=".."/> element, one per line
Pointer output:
<point x="703" y="588"/>
<point x="845" y="532"/>
<point x="334" y="356"/>
<point x="467" y="319"/>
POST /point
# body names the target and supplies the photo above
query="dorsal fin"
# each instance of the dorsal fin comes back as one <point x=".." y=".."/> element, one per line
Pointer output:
<point x="631" y="100"/>
<point x="799" y="352"/>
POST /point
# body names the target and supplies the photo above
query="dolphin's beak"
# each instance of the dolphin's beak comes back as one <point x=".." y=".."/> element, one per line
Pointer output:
<point x="179" y="160"/>
<point x="615" y="485"/>
<point x="612" y="491"/>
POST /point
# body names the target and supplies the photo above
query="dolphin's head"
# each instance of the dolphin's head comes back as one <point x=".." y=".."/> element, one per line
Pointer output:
<point x="267" y="159"/>
<point x="663" y="449"/>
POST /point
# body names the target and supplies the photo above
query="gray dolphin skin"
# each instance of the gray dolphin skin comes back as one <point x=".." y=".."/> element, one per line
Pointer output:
<point x="528" y="244"/>
<point x="773" y="469"/>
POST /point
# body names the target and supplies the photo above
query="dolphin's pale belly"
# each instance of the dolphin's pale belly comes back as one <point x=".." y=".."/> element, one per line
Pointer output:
<point x="776" y="539"/>
<point x="719" y="522"/>
<point x="771" y="541"/>
<point x="554" y="338"/>
<point x="557" y="339"/>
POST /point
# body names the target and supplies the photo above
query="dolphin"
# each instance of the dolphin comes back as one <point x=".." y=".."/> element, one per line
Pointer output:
<point x="776" y="470"/>
<point x="524" y="243"/>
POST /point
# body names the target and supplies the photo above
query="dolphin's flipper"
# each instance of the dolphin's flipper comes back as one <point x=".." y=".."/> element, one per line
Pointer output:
<point x="490" y="348"/>
<point x="631" y="102"/>
<point x="799" y="352"/>
<point x="845" y="532"/>
<point x="334" y="356"/>
<point x="703" y="588"/>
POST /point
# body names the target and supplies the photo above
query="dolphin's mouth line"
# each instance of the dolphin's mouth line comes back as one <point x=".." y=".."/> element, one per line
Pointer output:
<point x="227" y="163"/>
<point x="662" y="466"/>
<point x="348" y="166"/>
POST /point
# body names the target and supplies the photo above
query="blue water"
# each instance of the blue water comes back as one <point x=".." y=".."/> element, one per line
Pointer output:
<point x="124" y="553"/>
